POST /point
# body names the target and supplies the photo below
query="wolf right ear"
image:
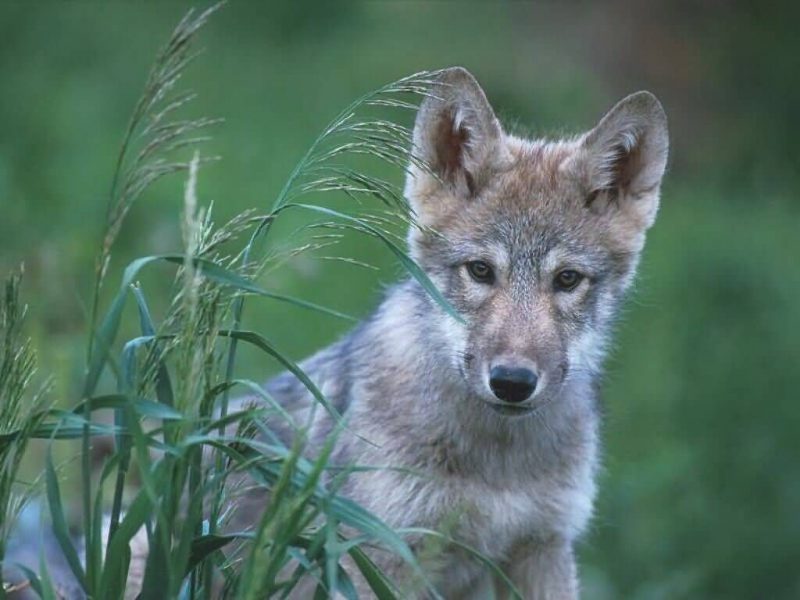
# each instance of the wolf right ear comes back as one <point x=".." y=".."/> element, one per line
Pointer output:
<point x="457" y="138"/>
<point x="625" y="155"/>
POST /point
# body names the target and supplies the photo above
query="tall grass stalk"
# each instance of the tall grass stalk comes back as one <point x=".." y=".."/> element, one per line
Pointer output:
<point x="22" y="409"/>
<point x="151" y="134"/>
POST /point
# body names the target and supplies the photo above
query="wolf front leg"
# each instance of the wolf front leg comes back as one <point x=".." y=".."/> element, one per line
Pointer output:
<point x="542" y="570"/>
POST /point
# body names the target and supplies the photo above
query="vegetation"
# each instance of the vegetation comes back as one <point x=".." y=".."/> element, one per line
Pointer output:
<point x="699" y="494"/>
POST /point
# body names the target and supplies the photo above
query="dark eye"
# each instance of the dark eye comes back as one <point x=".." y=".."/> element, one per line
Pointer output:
<point x="480" y="271"/>
<point x="567" y="280"/>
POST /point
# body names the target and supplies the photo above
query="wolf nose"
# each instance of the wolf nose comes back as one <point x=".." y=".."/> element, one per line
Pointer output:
<point x="512" y="384"/>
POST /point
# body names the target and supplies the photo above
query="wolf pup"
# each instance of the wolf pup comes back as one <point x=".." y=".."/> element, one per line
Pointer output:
<point x="492" y="422"/>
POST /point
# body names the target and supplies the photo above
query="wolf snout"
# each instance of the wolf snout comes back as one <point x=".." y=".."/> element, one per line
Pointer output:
<point x="512" y="384"/>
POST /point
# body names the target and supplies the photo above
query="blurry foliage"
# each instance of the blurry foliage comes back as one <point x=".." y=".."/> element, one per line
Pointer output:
<point x="701" y="484"/>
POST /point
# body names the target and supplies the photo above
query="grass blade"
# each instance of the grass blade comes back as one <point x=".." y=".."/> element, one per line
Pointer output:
<point x="259" y="341"/>
<point x="60" y="528"/>
<point x="405" y="260"/>
<point x="112" y="582"/>
<point x="376" y="580"/>
<point x="204" y="546"/>
<point x="163" y="383"/>
<point x="219" y="274"/>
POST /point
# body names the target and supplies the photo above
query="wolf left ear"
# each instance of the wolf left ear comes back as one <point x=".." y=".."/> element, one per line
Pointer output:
<point x="457" y="138"/>
<point x="625" y="155"/>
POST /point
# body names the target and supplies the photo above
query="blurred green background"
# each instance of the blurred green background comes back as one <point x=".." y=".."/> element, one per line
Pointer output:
<point x="701" y="483"/>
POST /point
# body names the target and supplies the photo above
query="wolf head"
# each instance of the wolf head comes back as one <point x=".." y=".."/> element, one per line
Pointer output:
<point x="534" y="242"/>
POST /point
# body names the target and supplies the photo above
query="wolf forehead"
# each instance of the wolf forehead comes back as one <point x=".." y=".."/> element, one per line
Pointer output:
<point x="536" y="192"/>
<point x="531" y="215"/>
<point x="536" y="179"/>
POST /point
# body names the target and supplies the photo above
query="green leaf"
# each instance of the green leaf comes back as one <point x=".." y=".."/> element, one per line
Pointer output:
<point x="60" y="431"/>
<point x="353" y="514"/>
<point x="110" y="325"/>
<point x="112" y="583"/>
<point x="374" y="577"/>
<point x="35" y="582"/>
<point x="155" y="410"/>
<point x="205" y="545"/>
<point x="158" y="565"/>
<point x="163" y="383"/>
<point x="259" y="341"/>
<point x="46" y="582"/>
<point x="60" y="528"/>
<point x="408" y="263"/>
<point x="213" y="271"/>
<point x="344" y="585"/>
<point x="144" y="407"/>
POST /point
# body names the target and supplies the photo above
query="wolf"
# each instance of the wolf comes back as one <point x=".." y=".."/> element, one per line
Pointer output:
<point x="490" y="423"/>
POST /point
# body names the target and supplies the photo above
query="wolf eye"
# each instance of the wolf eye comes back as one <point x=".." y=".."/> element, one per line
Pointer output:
<point x="480" y="271"/>
<point x="567" y="280"/>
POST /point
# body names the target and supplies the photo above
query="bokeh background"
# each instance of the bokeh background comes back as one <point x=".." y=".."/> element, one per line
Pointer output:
<point x="700" y="492"/>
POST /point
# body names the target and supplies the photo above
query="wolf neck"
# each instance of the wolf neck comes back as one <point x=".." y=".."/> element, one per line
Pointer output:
<point x="405" y="380"/>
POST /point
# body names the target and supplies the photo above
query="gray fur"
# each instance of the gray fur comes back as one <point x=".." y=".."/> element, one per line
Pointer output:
<point x="412" y="381"/>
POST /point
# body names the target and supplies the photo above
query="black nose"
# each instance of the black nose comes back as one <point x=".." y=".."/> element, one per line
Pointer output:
<point x="512" y="384"/>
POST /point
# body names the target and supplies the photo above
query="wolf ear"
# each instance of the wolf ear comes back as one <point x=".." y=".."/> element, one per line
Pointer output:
<point x="457" y="139"/>
<point x="625" y="155"/>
